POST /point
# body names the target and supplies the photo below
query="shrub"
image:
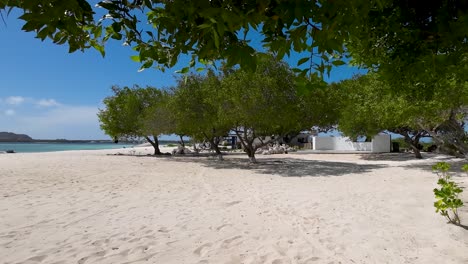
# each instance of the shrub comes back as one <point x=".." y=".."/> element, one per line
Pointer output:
<point x="447" y="196"/>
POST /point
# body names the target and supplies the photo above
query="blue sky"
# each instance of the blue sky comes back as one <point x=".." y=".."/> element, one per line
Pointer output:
<point x="47" y="93"/>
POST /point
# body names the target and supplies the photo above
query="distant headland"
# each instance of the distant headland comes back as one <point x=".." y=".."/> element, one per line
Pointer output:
<point x="13" y="137"/>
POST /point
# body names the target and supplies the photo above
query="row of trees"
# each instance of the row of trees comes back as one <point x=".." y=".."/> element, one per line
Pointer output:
<point x="253" y="105"/>
<point x="266" y="103"/>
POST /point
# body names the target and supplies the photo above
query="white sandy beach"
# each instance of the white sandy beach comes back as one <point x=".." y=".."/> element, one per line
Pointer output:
<point x="89" y="207"/>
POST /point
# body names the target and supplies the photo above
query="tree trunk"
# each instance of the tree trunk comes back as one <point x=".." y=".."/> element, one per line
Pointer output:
<point x="155" y="144"/>
<point x="252" y="159"/>
<point x="214" y="145"/>
<point x="450" y="134"/>
<point x="251" y="152"/>
<point x="182" y="142"/>
<point x="248" y="147"/>
<point x="414" y="145"/>
<point x="417" y="152"/>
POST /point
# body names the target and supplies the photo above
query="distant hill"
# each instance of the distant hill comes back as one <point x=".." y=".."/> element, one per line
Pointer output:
<point x="12" y="137"/>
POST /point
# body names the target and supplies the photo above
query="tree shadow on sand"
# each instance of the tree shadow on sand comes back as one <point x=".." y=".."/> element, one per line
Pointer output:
<point x="402" y="156"/>
<point x="287" y="167"/>
<point x="455" y="167"/>
<point x="426" y="163"/>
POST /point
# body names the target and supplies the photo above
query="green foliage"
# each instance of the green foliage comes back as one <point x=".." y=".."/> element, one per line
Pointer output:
<point x="119" y="118"/>
<point x="261" y="103"/>
<point x="447" y="196"/>
<point x="265" y="100"/>
<point x="401" y="142"/>
<point x="465" y="168"/>
<point x="70" y="22"/>
<point x="404" y="144"/>
<point x="135" y="112"/>
<point x="320" y="104"/>
<point x="195" y="105"/>
<point x="418" y="47"/>
<point x="372" y="106"/>
<point x="415" y="44"/>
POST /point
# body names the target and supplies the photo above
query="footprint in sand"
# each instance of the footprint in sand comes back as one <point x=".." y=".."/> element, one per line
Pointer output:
<point x="201" y="250"/>
<point x="37" y="258"/>
<point x="312" y="260"/>
<point x="232" y="203"/>
<point x="82" y="260"/>
<point x="229" y="242"/>
<point x="222" y="226"/>
<point x="163" y="230"/>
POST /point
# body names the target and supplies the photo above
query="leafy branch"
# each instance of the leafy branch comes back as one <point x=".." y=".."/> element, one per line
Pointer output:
<point x="447" y="196"/>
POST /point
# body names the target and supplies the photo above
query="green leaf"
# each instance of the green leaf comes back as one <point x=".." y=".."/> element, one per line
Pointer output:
<point x="135" y="58"/>
<point x="302" y="61"/>
<point x="183" y="70"/>
<point x="203" y="26"/>
<point x="216" y="38"/>
<point x="338" y="63"/>
<point x="99" y="48"/>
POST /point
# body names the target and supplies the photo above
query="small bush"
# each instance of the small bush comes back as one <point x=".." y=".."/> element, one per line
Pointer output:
<point x="171" y="145"/>
<point x="465" y="168"/>
<point x="447" y="196"/>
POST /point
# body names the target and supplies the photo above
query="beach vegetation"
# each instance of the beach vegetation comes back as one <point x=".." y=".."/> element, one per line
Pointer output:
<point x="262" y="106"/>
<point x="448" y="195"/>
<point x="372" y="106"/>
<point x="196" y="105"/>
<point x="135" y="112"/>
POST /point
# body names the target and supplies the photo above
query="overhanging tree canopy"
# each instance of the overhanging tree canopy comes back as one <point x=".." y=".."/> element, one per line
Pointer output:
<point x="422" y="39"/>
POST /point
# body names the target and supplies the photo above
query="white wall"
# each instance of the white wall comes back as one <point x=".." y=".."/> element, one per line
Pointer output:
<point x="323" y="143"/>
<point x="380" y="143"/>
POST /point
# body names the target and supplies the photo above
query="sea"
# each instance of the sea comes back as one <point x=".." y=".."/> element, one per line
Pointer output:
<point x="22" y="147"/>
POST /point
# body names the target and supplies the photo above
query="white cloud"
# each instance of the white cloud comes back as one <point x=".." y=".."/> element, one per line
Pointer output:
<point x="10" y="112"/>
<point x="62" y="121"/>
<point x="15" y="100"/>
<point x="47" y="103"/>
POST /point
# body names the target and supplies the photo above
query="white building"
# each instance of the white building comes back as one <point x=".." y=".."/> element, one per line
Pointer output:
<point x="380" y="143"/>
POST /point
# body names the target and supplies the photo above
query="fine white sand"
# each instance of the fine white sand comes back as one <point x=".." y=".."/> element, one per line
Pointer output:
<point x="89" y="207"/>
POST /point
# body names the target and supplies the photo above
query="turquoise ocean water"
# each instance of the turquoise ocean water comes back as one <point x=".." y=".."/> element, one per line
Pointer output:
<point x="48" y="147"/>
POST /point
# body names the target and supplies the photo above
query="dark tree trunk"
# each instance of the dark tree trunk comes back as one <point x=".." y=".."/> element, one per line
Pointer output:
<point x="182" y="142"/>
<point x="248" y="147"/>
<point x="414" y="143"/>
<point x="451" y="136"/>
<point x="214" y="145"/>
<point x="155" y="144"/>
<point x="214" y="141"/>
<point x="417" y="152"/>
<point x="251" y="154"/>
